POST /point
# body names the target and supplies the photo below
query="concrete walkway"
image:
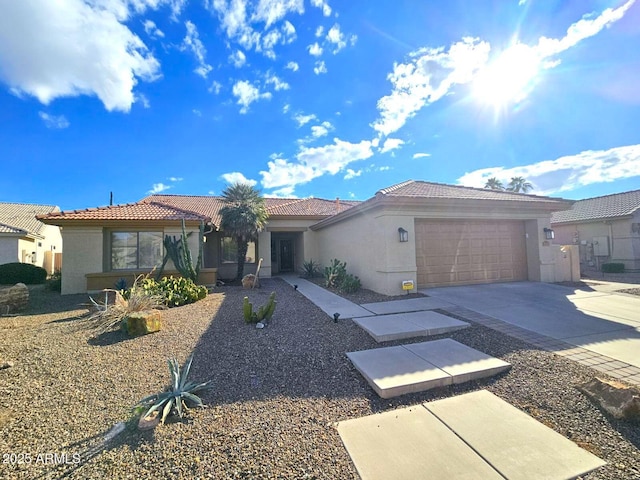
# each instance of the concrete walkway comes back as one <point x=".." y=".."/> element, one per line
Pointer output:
<point x="474" y="436"/>
<point x="329" y="302"/>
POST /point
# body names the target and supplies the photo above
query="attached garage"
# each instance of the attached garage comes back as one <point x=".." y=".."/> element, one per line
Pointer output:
<point x="462" y="252"/>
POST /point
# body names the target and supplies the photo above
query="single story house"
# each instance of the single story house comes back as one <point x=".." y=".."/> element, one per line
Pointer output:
<point x="607" y="229"/>
<point x="427" y="233"/>
<point x="25" y="239"/>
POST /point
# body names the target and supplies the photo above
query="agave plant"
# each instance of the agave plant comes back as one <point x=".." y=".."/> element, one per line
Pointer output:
<point x="179" y="396"/>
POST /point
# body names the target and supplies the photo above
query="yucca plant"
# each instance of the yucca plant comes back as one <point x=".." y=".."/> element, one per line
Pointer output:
<point x="179" y="395"/>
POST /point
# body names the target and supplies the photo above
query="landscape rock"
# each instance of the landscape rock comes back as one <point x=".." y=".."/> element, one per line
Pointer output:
<point x="249" y="281"/>
<point x="141" y="323"/>
<point x="4" y="365"/>
<point x="14" y="299"/>
<point x="620" y="401"/>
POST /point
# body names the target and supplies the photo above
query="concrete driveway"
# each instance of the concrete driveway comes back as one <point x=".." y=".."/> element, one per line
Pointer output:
<point x="598" y="320"/>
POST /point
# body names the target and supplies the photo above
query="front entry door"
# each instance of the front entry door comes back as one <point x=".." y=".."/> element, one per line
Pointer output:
<point x="286" y="255"/>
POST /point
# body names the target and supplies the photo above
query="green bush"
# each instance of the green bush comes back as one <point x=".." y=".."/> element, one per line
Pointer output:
<point x="176" y="291"/>
<point x="336" y="276"/>
<point x="350" y="284"/>
<point x="613" y="267"/>
<point x="54" y="282"/>
<point x="310" y="269"/>
<point x="12" y="273"/>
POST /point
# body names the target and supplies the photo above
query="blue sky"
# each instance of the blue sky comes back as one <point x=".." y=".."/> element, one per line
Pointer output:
<point x="315" y="98"/>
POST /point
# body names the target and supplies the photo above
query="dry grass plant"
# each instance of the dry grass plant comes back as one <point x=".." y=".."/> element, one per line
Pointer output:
<point x="107" y="316"/>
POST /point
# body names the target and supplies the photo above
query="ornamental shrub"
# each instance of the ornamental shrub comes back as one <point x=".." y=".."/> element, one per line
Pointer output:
<point x="613" y="267"/>
<point x="350" y="284"/>
<point x="176" y="291"/>
<point x="12" y="273"/>
<point x="54" y="282"/>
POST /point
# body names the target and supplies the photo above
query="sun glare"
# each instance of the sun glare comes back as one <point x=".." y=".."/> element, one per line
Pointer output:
<point x="509" y="78"/>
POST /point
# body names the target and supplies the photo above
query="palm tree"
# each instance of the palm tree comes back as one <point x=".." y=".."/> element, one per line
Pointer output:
<point x="494" y="184"/>
<point x="519" y="184"/>
<point x="243" y="216"/>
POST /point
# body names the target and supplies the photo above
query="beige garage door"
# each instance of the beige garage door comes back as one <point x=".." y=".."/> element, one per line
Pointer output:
<point x="468" y="252"/>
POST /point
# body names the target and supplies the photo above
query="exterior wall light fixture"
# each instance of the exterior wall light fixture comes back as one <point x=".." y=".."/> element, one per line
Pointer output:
<point x="549" y="234"/>
<point x="404" y="235"/>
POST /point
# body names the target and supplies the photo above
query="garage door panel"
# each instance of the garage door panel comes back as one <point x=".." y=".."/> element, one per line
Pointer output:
<point x="467" y="252"/>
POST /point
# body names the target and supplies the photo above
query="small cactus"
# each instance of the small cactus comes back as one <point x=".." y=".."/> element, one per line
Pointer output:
<point x="265" y="312"/>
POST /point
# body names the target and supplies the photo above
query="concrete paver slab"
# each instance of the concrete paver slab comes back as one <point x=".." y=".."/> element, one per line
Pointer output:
<point x="463" y="363"/>
<point x="410" y="444"/>
<point x="402" y="369"/>
<point x="408" y="305"/>
<point x="516" y="445"/>
<point x="394" y="371"/>
<point x="384" y="328"/>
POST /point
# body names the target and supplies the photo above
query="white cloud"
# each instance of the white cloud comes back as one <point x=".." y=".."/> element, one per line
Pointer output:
<point x="278" y="84"/>
<point x="57" y="122"/>
<point x="314" y="162"/>
<point x="431" y="73"/>
<point x="288" y="32"/>
<point x="321" y="130"/>
<point x="247" y="94"/>
<point x="315" y="49"/>
<point x="320" y="67"/>
<point x="352" y="174"/>
<point x="319" y="31"/>
<point x="421" y="155"/>
<point x="152" y="30"/>
<point x="238" y="58"/>
<point x="158" y="188"/>
<point x="566" y="173"/>
<point x="426" y="78"/>
<point x="293" y="66"/>
<point x="322" y="4"/>
<point x="196" y="112"/>
<point x="237" y="177"/>
<point x="192" y="42"/>
<point x="175" y="179"/>
<point x="143" y="99"/>
<point x="242" y="20"/>
<point x="286" y="108"/>
<point x="269" y="41"/>
<point x="304" y="119"/>
<point x="39" y="54"/>
<point x="391" y="144"/>
<point x="285" y="192"/>
<point x="215" y="87"/>
<point x="336" y="37"/>
<point x="270" y="11"/>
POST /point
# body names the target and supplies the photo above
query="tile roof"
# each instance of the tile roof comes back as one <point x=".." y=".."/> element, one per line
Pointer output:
<point x="130" y="211"/>
<point x="420" y="189"/>
<point x="609" y="206"/>
<point x="200" y="207"/>
<point x="21" y="217"/>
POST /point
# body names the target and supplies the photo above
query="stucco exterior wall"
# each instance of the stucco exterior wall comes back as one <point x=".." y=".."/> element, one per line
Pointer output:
<point x="370" y="245"/>
<point x="622" y="239"/>
<point x="84" y="247"/>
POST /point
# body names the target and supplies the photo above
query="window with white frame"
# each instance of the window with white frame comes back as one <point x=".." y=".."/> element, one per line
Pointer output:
<point x="229" y="251"/>
<point x="136" y="250"/>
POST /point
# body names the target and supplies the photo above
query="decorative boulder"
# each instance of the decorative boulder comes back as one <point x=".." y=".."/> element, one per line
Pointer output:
<point x="141" y="323"/>
<point x="620" y="401"/>
<point x="249" y="281"/>
<point x="14" y="299"/>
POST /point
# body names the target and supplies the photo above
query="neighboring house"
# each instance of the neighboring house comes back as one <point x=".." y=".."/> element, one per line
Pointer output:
<point x="607" y="229"/>
<point x="451" y="236"/>
<point x="25" y="239"/>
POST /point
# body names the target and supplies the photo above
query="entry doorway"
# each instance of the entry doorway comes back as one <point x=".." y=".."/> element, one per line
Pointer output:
<point x="286" y="252"/>
<point x="286" y="255"/>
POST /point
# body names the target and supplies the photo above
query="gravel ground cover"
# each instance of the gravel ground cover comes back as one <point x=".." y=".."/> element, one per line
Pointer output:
<point x="277" y="393"/>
